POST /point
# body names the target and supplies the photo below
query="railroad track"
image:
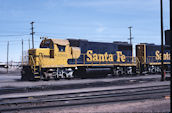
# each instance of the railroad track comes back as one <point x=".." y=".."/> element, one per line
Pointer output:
<point x="83" y="98"/>
<point x="9" y="90"/>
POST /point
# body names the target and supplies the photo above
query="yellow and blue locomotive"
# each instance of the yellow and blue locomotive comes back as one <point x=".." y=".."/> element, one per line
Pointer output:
<point x="59" y="58"/>
<point x="149" y="56"/>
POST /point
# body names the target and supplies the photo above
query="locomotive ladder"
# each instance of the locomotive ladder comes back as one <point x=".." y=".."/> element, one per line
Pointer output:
<point x="33" y="67"/>
<point x="137" y="64"/>
<point x="40" y="61"/>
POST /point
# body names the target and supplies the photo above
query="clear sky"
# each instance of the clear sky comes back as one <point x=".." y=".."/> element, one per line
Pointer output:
<point x="94" y="20"/>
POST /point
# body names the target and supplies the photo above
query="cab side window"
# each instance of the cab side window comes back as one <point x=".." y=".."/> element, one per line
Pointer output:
<point x="61" y="48"/>
<point x="51" y="53"/>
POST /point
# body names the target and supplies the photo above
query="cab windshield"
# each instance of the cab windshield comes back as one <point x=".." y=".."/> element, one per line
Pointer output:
<point x="47" y="44"/>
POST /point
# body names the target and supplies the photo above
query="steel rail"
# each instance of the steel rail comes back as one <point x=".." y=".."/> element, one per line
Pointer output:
<point x="59" y="102"/>
<point x="5" y="90"/>
<point x="86" y="92"/>
<point x="112" y="99"/>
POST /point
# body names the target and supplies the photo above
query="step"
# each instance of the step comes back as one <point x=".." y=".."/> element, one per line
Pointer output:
<point x="36" y="73"/>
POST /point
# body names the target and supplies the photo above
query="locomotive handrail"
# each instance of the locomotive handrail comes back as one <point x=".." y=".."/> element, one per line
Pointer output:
<point x="84" y="58"/>
<point x="151" y="59"/>
<point x="75" y="61"/>
<point x="137" y="62"/>
<point x="33" y="61"/>
<point x="40" y="59"/>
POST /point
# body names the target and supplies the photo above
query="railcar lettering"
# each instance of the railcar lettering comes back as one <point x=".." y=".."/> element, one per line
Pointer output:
<point x="120" y="56"/>
<point x="62" y="55"/>
<point x="104" y="57"/>
<point x="158" y="55"/>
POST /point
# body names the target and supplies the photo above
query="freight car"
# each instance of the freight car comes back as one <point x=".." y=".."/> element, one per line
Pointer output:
<point x="57" y="58"/>
<point x="149" y="56"/>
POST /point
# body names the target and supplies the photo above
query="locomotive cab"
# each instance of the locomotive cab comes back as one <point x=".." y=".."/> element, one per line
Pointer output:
<point x="58" y="52"/>
<point x="52" y="54"/>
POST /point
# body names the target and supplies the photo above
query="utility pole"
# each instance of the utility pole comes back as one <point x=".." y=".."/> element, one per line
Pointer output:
<point x="32" y="33"/>
<point x="130" y="35"/>
<point x="171" y="33"/>
<point x="131" y="42"/>
<point x="29" y="43"/>
<point x="162" y="44"/>
<point x="7" y="54"/>
<point x="22" y="51"/>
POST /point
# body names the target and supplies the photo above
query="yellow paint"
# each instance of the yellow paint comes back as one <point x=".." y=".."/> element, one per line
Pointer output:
<point x="158" y="55"/>
<point x="30" y="98"/>
<point x="76" y="52"/>
<point x="60" y="42"/>
<point x="104" y="57"/>
<point x="42" y="55"/>
<point x="89" y="52"/>
<point x="158" y="63"/>
<point x="36" y="76"/>
<point x="120" y="56"/>
<point x="75" y="65"/>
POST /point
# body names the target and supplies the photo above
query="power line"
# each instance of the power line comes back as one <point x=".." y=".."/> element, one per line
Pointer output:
<point x="16" y="41"/>
<point x="13" y="35"/>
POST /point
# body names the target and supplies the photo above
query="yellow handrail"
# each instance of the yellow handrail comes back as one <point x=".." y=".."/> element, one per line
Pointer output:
<point x="40" y="60"/>
<point x="33" y="62"/>
<point x="138" y="62"/>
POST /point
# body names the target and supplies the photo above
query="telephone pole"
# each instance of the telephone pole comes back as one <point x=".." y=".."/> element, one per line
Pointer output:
<point x="32" y="33"/>
<point x="171" y="33"/>
<point x="130" y="35"/>
<point x="162" y="44"/>
<point x="7" y="54"/>
<point x="22" y="51"/>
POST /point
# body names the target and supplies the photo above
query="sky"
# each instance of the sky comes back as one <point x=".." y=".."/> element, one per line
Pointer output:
<point x="94" y="20"/>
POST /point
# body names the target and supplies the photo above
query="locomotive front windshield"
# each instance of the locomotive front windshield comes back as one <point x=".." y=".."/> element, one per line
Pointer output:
<point x="47" y="44"/>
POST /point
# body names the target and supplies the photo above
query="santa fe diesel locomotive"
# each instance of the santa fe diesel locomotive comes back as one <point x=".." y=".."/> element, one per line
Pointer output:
<point x="59" y="58"/>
